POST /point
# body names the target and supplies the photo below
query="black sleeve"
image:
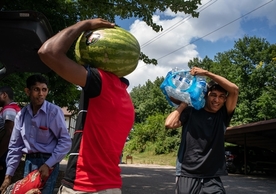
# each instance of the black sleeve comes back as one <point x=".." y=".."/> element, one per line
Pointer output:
<point x="185" y="115"/>
<point x="93" y="84"/>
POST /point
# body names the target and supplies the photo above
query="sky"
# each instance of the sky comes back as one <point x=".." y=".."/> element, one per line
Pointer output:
<point x="219" y="25"/>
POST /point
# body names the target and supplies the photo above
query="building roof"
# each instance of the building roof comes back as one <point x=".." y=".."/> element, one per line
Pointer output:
<point x="259" y="134"/>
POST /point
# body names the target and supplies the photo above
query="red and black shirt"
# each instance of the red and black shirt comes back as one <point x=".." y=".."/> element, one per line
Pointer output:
<point x="103" y="124"/>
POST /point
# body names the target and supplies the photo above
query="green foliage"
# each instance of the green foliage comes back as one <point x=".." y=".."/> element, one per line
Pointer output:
<point x="62" y="14"/>
<point x="150" y="158"/>
<point x="147" y="60"/>
<point x="60" y="92"/>
<point x="265" y="104"/>
<point x="255" y="75"/>
<point x="169" y="144"/>
<point x="149" y="100"/>
<point x="152" y="136"/>
<point x="251" y="64"/>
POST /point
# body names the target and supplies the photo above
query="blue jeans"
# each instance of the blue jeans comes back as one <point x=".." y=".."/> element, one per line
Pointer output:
<point x="35" y="163"/>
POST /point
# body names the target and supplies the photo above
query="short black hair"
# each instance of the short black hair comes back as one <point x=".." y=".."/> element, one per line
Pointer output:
<point x="8" y="90"/>
<point x="31" y="81"/>
<point x="215" y="86"/>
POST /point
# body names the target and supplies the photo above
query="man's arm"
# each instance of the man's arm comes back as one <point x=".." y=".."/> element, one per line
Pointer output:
<point x="231" y="88"/>
<point x="64" y="142"/>
<point x="172" y="121"/>
<point x="53" y="51"/>
<point x="7" y="181"/>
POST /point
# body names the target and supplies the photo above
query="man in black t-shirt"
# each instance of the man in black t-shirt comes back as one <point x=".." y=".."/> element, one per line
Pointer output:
<point x="201" y="159"/>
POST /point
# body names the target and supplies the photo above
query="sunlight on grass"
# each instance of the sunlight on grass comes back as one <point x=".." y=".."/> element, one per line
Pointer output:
<point x="149" y="158"/>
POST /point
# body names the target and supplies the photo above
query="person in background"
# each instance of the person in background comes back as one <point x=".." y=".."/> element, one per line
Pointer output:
<point x="7" y="116"/>
<point x="39" y="132"/>
<point x="201" y="156"/>
<point x="105" y="119"/>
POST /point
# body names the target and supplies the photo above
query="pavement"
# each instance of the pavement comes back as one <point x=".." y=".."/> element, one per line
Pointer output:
<point x="159" y="179"/>
<point x="130" y="168"/>
<point x="62" y="165"/>
<point x="62" y="168"/>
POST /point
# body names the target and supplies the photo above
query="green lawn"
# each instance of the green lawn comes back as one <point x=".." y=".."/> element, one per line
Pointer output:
<point x="149" y="158"/>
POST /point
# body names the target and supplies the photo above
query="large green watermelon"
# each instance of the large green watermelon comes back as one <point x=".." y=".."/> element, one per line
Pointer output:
<point x="111" y="49"/>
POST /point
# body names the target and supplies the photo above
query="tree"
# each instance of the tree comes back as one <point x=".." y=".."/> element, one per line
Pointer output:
<point x="60" y="91"/>
<point x="151" y="110"/>
<point x="148" y="100"/>
<point x="62" y="14"/>
<point x="151" y="135"/>
<point x="251" y="65"/>
<point x="254" y="69"/>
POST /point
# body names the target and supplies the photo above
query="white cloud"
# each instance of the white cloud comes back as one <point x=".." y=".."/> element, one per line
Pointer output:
<point x="144" y="73"/>
<point x="173" y="48"/>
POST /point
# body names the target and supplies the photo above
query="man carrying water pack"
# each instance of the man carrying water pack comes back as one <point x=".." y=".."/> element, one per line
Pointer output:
<point x="201" y="157"/>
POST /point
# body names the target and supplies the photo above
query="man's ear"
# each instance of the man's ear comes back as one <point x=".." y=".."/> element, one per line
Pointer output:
<point x="5" y="94"/>
<point x="225" y="99"/>
<point x="27" y="91"/>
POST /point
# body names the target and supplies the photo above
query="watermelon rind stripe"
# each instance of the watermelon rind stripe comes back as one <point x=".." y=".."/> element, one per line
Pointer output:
<point x="116" y="51"/>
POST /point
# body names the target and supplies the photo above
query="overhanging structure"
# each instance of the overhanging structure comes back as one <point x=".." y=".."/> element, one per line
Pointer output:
<point x="259" y="134"/>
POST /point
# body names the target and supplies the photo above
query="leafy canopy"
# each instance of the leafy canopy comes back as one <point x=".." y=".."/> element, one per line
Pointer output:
<point x="63" y="13"/>
<point x="251" y="64"/>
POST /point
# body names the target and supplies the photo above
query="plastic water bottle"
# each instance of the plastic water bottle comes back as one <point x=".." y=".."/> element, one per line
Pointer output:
<point x="182" y="96"/>
<point x="181" y="85"/>
<point x="182" y="81"/>
<point x="202" y="83"/>
<point x="198" y="93"/>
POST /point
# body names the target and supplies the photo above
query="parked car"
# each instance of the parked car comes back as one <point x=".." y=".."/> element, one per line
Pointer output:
<point x="257" y="159"/>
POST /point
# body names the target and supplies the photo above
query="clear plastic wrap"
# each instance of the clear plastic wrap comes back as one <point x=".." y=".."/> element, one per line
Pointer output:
<point x="181" y="85"/>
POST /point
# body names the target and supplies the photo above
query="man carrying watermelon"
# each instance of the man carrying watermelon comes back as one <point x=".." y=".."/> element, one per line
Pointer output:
<point x="106" y="114"/>
<point x="201" y="156"/>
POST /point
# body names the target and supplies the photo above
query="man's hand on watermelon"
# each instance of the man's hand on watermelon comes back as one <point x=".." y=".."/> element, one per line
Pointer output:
<point x="5" y="184"/>
<point x="53" y="51"/>
<point x="99" y="23"/>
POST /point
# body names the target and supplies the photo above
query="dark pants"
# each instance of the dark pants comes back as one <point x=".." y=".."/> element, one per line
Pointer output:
<point x="186" y="185"/>
<point x="3" y="168"/>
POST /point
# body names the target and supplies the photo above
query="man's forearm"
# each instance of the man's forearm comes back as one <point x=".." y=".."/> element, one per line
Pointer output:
<point x="65" y="38"/>
<point x="172" y="121"/>
<point x="181" y="107"/>
<point x="223" y="82"/>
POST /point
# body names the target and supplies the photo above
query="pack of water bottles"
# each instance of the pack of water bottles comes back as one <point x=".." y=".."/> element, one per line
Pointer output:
<point x="181" y="85"/>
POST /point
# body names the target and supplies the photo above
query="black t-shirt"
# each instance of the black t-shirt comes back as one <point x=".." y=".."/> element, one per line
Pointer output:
<point x="201" y="151"/>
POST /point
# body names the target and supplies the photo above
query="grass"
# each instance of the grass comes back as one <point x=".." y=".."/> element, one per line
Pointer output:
<point x="149" y="158"/>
